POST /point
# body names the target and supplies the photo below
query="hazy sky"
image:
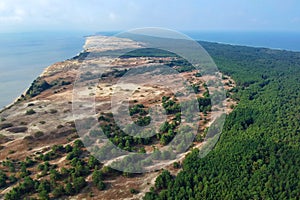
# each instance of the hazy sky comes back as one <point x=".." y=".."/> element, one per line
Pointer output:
<point x="99" y="15"/>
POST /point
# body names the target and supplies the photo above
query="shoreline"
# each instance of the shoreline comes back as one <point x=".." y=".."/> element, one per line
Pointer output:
<point x="16" y="100"/>
<point x="84" y="51"/>
<point x="250" y="46"/>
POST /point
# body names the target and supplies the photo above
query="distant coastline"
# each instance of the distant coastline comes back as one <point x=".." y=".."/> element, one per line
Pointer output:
<point x="289" y="41"/>
<point x="215" y="37"/>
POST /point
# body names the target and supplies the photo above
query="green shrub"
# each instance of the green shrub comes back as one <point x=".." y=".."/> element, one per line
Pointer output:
<point x="52" y="111"/>
<point x="37" y="87"/>
<point x="5" y="125"/>
<point x="38" y="134"/>
<point x="30" y="112"/>
<point x="58" y="191"/>
<point x="134" y="191"/>
<point x="101" y="185"/>
<point x="79" y="183"/>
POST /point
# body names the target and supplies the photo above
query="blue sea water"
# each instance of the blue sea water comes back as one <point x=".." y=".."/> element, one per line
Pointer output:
<point x="274" y="40"/>
<point x="24" y="56"/>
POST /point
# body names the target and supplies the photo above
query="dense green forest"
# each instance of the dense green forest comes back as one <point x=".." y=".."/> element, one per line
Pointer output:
<point x="258" y="154"/>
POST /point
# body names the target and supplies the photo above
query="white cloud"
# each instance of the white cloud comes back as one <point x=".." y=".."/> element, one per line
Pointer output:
<point x="112" y="16"/>
<point x="127" y="14"/>
<point x="10" y="13"/>
<point x="2" y="6"/>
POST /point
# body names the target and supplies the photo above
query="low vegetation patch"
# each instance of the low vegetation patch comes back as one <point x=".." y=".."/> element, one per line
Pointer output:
<point x="30" y="112"/>
<point x="5" y="125"/>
